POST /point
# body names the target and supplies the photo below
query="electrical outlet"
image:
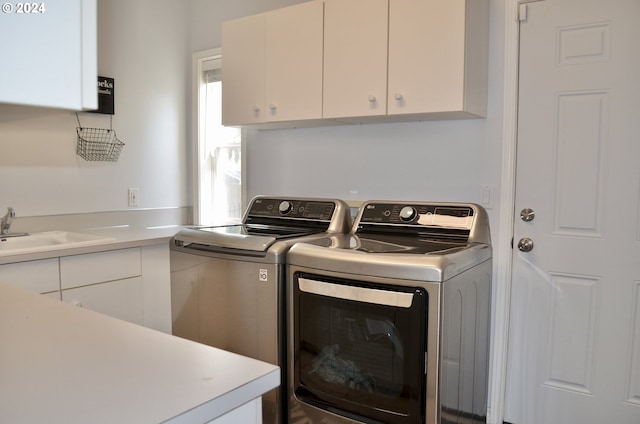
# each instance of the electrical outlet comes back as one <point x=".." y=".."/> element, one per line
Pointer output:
<point x="133" y="197"/>
<point x="486" y="196"/>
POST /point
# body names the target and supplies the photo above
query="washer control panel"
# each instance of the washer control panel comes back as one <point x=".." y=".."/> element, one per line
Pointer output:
<point x="292" y="208"/>
<point x="418" y="215"/>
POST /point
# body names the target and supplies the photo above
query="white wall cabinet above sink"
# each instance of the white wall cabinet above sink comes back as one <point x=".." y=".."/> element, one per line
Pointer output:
<point x="49" y="54"/>
<point x="382" y="61"/>
<point x="272" y="66"/>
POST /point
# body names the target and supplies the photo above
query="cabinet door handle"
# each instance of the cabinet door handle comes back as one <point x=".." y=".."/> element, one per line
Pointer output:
<point x="256" y="108"/>
<point x="272" y="106"/>
<point x="372" y="98"/>
<point x="398" y="96"/>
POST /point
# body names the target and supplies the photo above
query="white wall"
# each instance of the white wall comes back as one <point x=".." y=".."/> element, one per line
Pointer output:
<point x="143" y="44"/>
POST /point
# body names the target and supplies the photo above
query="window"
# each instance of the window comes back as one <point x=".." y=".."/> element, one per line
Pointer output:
<point x="218" y="186"/>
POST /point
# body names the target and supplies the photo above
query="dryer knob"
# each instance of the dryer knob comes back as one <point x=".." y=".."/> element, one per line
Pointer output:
<point x="408" y="213"/>
<point x="285" y="207"/>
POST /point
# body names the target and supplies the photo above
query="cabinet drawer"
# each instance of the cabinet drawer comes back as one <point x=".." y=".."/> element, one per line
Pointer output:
<point x="40" y="276"/>
<point x="119" y="299"/>
<point x="92" y="268"/>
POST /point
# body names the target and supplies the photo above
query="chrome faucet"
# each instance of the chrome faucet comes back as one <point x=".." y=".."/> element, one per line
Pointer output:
<point x="5" y="223"/>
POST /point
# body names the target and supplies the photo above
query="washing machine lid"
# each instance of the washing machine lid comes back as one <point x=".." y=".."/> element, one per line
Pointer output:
<point x="238" y="237"/>
<point x="405" y="245"/>
<point x="268" y="220"/>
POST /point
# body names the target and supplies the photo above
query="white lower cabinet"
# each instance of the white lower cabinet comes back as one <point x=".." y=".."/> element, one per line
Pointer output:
<point x="106" y="282"/>
<point x="250" y="412"/>
<point x="120" y="299"/>
<point x="92" y="268"/>
<point x="130" y="284"/>
<point x="41" y="276"/>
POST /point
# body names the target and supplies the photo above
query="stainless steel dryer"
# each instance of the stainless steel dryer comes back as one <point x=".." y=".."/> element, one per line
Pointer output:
<point x="390" y="324"/>
<point x="227" y="281"/>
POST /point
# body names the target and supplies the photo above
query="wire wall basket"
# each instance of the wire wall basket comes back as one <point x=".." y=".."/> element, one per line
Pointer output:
<point x="98" y="144"/>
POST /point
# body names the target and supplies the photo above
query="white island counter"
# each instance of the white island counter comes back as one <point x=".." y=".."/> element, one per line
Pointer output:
<point x="63" y="364"/>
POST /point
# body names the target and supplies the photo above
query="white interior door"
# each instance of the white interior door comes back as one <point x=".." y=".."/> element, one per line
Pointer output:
<point x="574" y="339"/>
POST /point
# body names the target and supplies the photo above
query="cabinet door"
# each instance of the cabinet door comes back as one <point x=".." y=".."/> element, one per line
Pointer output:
<point x="184" y="294"/>
<point x="120" y="299"/>
<point x="294" y="62"/>
<point x="49" y="57"/>
<point x="41" y="276"/>
<point x="243" y="70"/>
<point x="355" y="58"/>
<point x="437" y="56"/>
<point x="92" y="268"/>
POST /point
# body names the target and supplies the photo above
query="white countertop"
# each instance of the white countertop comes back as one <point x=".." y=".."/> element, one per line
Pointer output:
<point x="63" y="364"/>
<point x="120" y="237"/>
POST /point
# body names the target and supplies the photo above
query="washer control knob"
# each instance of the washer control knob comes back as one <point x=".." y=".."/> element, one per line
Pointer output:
<point x="285" y="207"/>
<point x="408" y="213"/>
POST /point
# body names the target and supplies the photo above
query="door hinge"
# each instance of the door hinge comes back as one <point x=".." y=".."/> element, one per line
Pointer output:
<point x="522" y="13"/>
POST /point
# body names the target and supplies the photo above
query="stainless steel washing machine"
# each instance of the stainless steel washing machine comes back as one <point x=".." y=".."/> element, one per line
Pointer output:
<point x="227" y="281"/>
<point x="390" y="324"/>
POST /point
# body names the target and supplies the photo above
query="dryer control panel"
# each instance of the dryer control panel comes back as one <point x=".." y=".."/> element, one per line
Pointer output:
<point x="419" y="214"/>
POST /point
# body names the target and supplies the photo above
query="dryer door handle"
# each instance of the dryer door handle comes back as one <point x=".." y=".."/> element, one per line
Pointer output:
<point x="358" y="294"/>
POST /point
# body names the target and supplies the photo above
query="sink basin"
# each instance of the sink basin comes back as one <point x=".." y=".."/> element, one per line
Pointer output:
<point x="49" y="240"/>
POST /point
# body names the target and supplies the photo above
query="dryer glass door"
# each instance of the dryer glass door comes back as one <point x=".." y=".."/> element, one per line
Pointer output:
<point x="360" y="348"/>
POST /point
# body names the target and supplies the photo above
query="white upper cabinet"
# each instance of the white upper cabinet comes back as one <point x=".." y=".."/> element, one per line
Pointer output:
<point x="243" y="70"/>
<point x="382" y="61"/>
<point x="355" y="58"/>
<point x="49" y="54"/>
<point x="272" y="66"/>
<point x="438" y="53"/>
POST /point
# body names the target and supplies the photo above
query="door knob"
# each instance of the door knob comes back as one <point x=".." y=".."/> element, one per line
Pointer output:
<point x="525" y="244"/>
<point x="527" y="214"/>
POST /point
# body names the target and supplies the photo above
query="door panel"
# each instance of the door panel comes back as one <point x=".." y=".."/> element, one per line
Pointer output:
<point x="574" y="341"/>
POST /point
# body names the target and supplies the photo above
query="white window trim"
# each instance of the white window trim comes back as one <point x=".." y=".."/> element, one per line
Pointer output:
<point x="199" y="58"/>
